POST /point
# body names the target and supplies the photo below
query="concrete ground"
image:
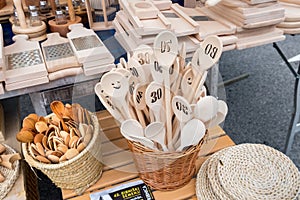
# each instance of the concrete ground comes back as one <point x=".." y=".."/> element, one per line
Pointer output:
<point x="260" y="106"/>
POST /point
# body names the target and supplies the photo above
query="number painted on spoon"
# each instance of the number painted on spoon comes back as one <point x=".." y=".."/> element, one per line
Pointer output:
<point x="156" y="95"/>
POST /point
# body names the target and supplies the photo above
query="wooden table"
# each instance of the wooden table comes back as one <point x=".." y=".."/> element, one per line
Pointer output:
<point x="25" y="186"/>
<point x="119" y="167"/>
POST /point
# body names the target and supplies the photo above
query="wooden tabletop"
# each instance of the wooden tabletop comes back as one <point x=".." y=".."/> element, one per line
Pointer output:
<point x="119" y="167"/>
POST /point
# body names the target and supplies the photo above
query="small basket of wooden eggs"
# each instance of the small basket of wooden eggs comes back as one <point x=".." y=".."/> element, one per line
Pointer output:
<point x="64" y="145"/>
<point x="161" y="104"/>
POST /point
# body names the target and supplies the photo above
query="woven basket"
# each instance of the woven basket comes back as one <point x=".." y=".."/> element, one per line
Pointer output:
<point x="78" y="173"/>
<point x="10" y="175"/>
<point x="164" y="170"/>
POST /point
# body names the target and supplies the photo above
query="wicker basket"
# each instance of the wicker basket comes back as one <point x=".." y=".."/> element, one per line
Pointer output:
<point x="10" y="175"/>
<point x="163" y="170"/>
<point x="78" y="173"/>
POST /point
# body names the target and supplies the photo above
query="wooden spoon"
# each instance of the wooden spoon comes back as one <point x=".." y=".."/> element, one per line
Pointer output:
<point x="154" y="99"/>
<point x="207" y="108"/>
<point x="191" y="134"/>
<point x="166" y="50"/>
<point x="156" y="131"/>
<point x="116" y="86"/>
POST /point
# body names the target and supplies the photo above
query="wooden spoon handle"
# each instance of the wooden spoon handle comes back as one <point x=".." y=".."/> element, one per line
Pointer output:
<point x="21" y="15"/>
<point x="53" y="6"/>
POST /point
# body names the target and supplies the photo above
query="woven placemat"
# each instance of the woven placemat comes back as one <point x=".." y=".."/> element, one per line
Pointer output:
<point x="256" y="171"/>
<point x="203" y="187"/>
<point x="213" y="177"/>
<point x="10" y="175"/>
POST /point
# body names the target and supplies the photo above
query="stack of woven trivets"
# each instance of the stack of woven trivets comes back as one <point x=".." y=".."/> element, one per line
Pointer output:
<point x="291" y="23"/>
<point x="89" y="50"/>
<point x="248" y="171"/>
<point x="136" y="26"/>
<point x="256" y="22"/>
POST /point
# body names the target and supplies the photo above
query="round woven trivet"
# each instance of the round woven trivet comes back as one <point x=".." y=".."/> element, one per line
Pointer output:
<point x="10" y="175"/>
<point x="203" y="187"/>
<point x="213" y="177"/>
<point x="256" y="171"/>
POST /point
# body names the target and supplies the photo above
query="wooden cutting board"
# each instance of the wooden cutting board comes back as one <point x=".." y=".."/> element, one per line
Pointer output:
<point x="252" y="2"/>
<point x="289" y="25"/>
<point x="297" y="2"/>
<point x="99" y="63"/>
<point x="292" y="12"/>
<point x="24" y="60"/>
<point x="26" y="83"/>
<point x="239" y="18"/>
<point x="252" y="39"/>
<point x="145" y="27"/>
<point x="73" y="71"/>
<point x="98" y="69"/>
<point x="123" y="21"/>
<point x="123" y="37"/>
<point x="261" y="22"/>
<point x="58" y="53"/>
<point x="208" y="26"/>
<point x="291" y="30"/>
<point x="181" y="23"/>
<point x="86" y="44"/>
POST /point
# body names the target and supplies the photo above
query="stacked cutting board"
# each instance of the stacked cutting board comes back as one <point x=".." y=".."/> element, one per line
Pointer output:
<point x="27" y="63"/>
<point x="291" y="23"/>
<point x="89" y="50"/>
<point x="139" y="22"/>
<point x="256" y="20"/>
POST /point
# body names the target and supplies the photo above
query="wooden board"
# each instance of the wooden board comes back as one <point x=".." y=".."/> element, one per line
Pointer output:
<point x="252" y="2"/>
<point x="101" y="62"/>
<point x="98" y="69"/>
<point x="291" y="30"/>
<point x="251" y="40"/>
<point x="144" y="27"/>
<point x="86" y="45"/>
<point x="292" y="12"/>
<point x="65" y="73"/>
<point x="289" y="25"/>
<point x="291" y="1"/>
<point x="181" y="23"/>
<point x="26" y="83"/>
<point x="58" y="53"/>
<point x="208" y="26"/>
<point x="263" y="20"/>
<point x="121" y="167"/>
<point x="24" y="61"/>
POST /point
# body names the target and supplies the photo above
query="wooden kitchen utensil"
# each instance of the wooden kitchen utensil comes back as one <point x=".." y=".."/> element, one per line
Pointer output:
<point x="24" y="61"/>
<point x="86" y="45"/>
<point x="58" y="53"/>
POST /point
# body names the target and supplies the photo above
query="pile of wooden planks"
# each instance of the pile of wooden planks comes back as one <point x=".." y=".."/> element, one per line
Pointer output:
<point x="256" y="20"/>
<point x="291" y="23"/>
